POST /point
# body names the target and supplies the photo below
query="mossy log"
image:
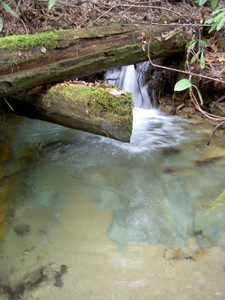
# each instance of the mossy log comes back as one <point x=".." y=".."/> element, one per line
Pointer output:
<point x="27" y="61"/>
<point x="97" y="108"/>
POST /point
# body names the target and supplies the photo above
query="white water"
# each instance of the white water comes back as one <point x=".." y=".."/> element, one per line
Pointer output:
<point x="131" y="79"/>
<point x="151" y="128"/>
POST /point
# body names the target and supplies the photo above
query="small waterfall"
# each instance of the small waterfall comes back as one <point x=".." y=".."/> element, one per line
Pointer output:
<point x="132" y="79"/>
<point x="152" y="129"/>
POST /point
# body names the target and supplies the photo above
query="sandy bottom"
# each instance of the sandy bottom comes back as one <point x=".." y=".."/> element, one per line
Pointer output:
<point x="75" y="260"/>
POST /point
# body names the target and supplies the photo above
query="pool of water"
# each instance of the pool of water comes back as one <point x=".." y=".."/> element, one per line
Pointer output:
<point x="92" y="218"/>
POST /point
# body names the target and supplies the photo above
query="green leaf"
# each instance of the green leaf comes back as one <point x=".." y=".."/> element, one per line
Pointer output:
<point x="182" y="85"/>
<point x="219" y="17"/>
<point x="209" y="21"/>
<point x="202" y="61"/>
<point x="218" y="200"/>
<point x="212" y="29"/>
<point x="217" y="11"/>
<point x="221" y="196"/>
<point x="221" y="24"/>
<point x="51" y="3"/>
<point x="191" y="44"/>
<point x="214" y="3"/>
<point x="193" y="59"/>
<point x="1" y="24"/>
<point x="202" y="2"/>
<point x="203" y="43"/>
<point x="198" y="54"/>
<point x="8" y="9"/>
<point x="199" y="95"/>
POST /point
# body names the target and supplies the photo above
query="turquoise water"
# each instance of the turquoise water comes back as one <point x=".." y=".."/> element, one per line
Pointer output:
<point x="152" y="186"/>
<point x="80" y="194"/>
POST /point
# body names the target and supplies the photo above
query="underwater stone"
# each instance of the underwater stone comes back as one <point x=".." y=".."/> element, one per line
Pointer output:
<point x="22" y="229"/>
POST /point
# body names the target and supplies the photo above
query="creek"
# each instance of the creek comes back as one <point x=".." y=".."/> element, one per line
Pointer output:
<point x="93" y="218"/>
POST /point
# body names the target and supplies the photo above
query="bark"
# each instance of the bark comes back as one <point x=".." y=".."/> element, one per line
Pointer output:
<point x="101" y="109"/>
<point x="33" y="60"/>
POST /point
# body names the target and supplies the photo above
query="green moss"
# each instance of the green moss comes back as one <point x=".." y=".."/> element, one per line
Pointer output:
<point x="30" y="41"/>
<point x="99" y="31"/>
<point x="49" y="39"/>
<point x="96" y="101"/>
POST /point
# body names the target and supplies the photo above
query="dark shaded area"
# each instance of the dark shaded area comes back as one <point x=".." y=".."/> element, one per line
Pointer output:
<point x="207" y="161"/>
<point x="22" y="229"/>
<point x="38" y="277"/>
<point x="58" y="277"/>
<point x="17" y="292"/>
<point x="170" y="151"/>
<point x="171" y="170"/>
<point x="162" y="81"/>
<point x="198" y="232"/>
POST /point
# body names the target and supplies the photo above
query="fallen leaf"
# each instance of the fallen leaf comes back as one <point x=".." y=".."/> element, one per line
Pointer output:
<point x="43" y="49"/>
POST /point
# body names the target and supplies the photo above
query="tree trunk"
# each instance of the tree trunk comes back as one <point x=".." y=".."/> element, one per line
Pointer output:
<point x="100" y="109"/>
<point x="33" y="60"/>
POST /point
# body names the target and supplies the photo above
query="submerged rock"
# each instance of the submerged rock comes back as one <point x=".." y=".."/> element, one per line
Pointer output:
<point x="207" y="161"/>
<point x="22" y="229"/>
<point x="170" y="151"/>
<point x="50" y="273"/>
<point x="170" y="170"/>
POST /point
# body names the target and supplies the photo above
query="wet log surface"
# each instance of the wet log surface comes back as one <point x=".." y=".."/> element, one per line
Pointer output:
<point x="33" y="60"/>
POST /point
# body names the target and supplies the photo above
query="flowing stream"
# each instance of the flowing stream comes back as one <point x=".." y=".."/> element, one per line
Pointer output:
<point x="93" y="218"/>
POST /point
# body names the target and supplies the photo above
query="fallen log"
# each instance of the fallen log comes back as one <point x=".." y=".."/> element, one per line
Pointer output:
<point x="101" y="109"/>
<point x="32" y="60"/>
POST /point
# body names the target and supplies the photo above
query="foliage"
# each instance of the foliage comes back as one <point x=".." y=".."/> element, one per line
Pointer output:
<point x="51" y="3"/>
<point x="8" y="9"/>
<point x="185" y="84"/>
<point x="195" y="54"/>
<point x="218" y="15"/>
<point x="218" y="200"/>
<point x="198" y="55"/>
<point x="218" y="19"/>
<point x="213" y="3"/>
<point x="1" y="24"/>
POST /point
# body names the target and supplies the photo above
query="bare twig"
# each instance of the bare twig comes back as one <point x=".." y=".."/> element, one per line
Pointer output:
<point x="27" y="31"/>
<point x="148" y="6"/>
<point x="213" y="132"/>
<point x="111" y="8"/>
<point x="8" y="104"/>
<point x="183" y="71"/>
<point x="17" y="6"/>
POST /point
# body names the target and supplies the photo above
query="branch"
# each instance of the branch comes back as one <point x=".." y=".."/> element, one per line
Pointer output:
<point x="184" y="72"/>
<point x="214" y="130"/>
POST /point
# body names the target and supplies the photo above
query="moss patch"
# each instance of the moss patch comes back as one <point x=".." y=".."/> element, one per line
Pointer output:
<point x="28" y="42"/>
<point x="93" y="101"/>
<point x="99" y="109"/>
<point x="50" y="39"/>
